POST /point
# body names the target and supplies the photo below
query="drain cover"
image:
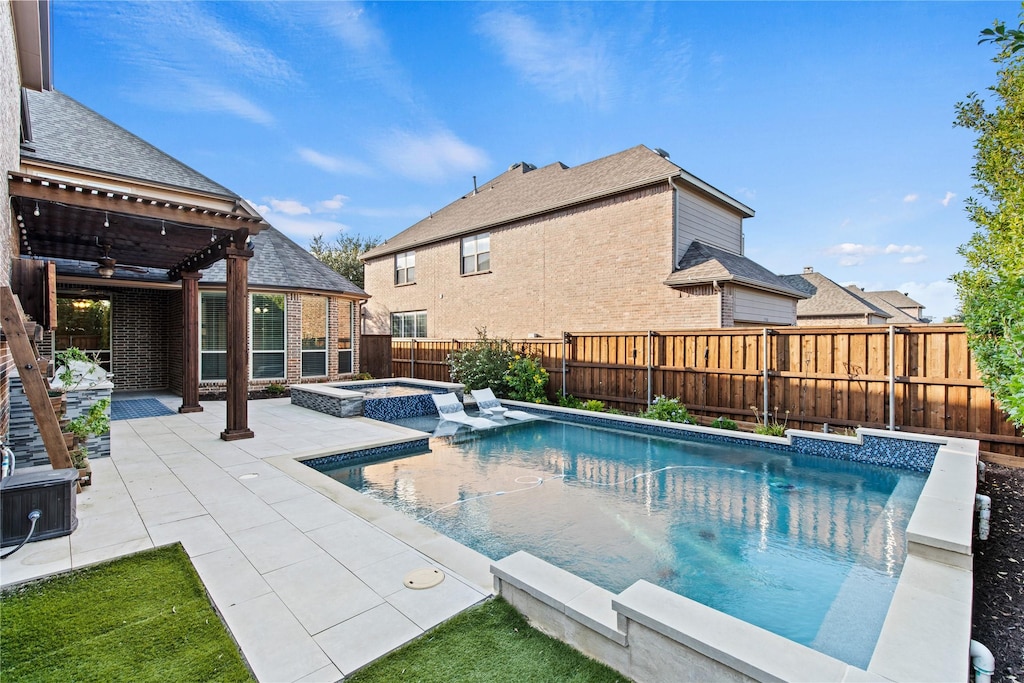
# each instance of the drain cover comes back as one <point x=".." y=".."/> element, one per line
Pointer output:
<point x="428" y="577"/>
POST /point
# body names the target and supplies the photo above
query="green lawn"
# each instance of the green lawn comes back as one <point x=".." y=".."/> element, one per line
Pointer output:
<point x="140" y="618"/>
<point x="491" y="642"/>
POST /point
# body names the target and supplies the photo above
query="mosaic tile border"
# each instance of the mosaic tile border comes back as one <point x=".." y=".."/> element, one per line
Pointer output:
<point x="330" y="462"/>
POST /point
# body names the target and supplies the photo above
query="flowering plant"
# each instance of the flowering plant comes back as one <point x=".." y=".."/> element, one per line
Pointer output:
<point x="526" y="380"/>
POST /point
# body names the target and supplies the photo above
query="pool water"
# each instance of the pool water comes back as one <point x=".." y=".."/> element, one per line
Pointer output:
<point x="807" y="547"/>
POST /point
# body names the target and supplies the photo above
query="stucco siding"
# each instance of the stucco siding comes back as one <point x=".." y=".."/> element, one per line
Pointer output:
<point x="753" y="306"/>
<point x="598" y="267"/>
<point x="707" y="222"/>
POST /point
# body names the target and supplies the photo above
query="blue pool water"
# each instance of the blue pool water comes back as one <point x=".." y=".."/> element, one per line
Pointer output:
<point x="807" y="547"/>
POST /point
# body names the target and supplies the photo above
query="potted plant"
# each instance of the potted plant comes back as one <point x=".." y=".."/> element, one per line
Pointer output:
<point x="93" y="422"/>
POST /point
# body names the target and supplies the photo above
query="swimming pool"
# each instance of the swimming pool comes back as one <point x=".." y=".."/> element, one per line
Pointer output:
<point x="806" y="547"/>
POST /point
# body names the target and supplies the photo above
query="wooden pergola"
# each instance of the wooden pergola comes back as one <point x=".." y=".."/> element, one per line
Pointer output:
<point x="71" y="220"/>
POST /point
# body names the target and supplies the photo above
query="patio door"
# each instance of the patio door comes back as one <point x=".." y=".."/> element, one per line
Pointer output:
<point x="84" y="322"/>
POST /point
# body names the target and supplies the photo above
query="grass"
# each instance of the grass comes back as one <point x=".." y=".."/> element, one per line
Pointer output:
<point x="141" y="618"/>
<point x="491" y="642"/>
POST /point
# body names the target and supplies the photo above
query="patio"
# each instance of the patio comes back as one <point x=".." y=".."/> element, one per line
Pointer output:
<point x="310" y="588"/>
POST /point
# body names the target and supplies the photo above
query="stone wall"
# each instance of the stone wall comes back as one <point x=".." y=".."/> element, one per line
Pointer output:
<point x="24" y="432"/>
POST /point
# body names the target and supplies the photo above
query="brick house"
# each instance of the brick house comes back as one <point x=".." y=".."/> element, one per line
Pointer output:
<point x="831" y="304"/>
<point x="627" y="242"/>
<point x="301" y="314"/>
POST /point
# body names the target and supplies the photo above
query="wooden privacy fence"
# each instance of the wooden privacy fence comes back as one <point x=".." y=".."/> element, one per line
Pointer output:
<point x="918" y="378"/>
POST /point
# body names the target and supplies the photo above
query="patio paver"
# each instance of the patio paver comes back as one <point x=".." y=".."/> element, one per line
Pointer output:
<point x="310" y="589"/>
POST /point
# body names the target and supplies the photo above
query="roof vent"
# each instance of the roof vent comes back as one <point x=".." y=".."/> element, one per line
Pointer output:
<point x="808" y="269"/>
<point x="515" y="166"/>
<point x="660" y="152"/>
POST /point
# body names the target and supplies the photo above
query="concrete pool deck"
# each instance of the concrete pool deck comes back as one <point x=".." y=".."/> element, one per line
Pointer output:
<point x="310" y="590"/>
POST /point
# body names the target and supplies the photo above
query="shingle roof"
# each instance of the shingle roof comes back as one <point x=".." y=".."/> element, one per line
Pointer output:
<point x="897" y="299"/>
<point x="524" y="191"/>
<point x="703" y="264"/>
<point x="897" y="316"/>
<point x="281" y="263"/>
<point x="826" y="298"/>
<point x="68" y="133"/>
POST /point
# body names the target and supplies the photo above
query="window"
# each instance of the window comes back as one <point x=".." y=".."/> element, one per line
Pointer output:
<point x="268" y="336"/>
<point x="84" y="322"/>
<point x="476" y="254"/>
<point x="412" y="324"/>
<point x="314" y="336"/>
<point x="346" y="331"/>
<point x="405" y="268"/>
<point x="213" y="335"/>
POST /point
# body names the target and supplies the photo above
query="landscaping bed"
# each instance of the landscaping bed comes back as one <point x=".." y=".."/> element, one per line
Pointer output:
<point x="998" y="618"/>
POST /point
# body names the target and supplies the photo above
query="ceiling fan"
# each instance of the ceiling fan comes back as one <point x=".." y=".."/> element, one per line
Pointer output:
<point x="106" y="264"/>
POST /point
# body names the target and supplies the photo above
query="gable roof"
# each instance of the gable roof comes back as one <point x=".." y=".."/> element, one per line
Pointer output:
<point x="280" y="263"/>
<point x="67" y="133"/>
<point x="704" y="264"/>
<point x="898" y="316"/>
<point x="897" y="299"/>
<point x="827" y="298"/>
<point x="524" y="191"/>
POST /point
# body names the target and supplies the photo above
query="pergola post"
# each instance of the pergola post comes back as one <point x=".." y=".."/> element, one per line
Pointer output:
<point x="237" y="266"/>
<point x="190" y="339"/>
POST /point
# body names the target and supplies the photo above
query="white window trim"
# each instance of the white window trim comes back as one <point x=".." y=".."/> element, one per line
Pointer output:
<point x="327" y="344"/>
<point x="406" y="268"/>
<point x="476" y="254"/>
<point x="249" y="341"/>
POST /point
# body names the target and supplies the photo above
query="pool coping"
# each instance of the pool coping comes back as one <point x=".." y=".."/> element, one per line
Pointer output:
<point x="925" y="635"/>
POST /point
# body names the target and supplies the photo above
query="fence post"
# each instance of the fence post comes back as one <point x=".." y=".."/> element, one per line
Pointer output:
<point x="412" y="359"/>
<point x="565" y="337"/>
<point x="892" y="378"/>
<point x="650" y="366"/>
<point x="764" y="371"/>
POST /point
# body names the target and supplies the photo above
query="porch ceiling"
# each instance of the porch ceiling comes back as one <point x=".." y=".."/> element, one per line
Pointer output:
<point x="86" y="223"/>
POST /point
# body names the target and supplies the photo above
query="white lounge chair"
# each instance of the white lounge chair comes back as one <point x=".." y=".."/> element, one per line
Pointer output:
<point x="489" y="404"/>
<point x="450" y="408"/>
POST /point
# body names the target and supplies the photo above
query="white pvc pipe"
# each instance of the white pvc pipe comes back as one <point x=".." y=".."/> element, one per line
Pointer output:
<point x="983" y="506"/>
<point x="983" y="662"/>
<point x="981" y="470"/>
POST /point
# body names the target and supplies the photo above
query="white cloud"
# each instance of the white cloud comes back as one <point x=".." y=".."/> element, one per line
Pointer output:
<point x="429" y="158"/>
<point x="854" y="254"/>
<point x="562" y="61"/>
<point x="350" y="22"/>
<point x="289" y="207"/>
<point x="948" y="198"/>
<point x="333" y="164"/>
<point x="747" y="194"/>
<point x="910" y="260"/>
<point x="902" y="249"/>
<point x="332" y="204"/>
<point x="910" y="198"/>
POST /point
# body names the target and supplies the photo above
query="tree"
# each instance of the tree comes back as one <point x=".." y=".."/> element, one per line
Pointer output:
<point x="342" y="255"/>
<point x="991" y="287"/>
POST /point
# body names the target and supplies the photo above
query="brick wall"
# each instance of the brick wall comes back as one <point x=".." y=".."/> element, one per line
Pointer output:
<point x="142" y="327"/>
<point x="597" y="267"/>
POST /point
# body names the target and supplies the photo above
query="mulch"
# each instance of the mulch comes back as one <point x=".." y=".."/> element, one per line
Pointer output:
<point x="998" y="617"/>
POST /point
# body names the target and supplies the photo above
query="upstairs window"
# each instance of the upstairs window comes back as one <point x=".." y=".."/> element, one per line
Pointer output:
<point x="408" y="325"/>
<point x="476" y="254"/>
<point x="405" y="268"/>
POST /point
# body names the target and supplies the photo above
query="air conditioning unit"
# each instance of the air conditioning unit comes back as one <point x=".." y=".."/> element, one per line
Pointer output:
<point x="52" y="492"/>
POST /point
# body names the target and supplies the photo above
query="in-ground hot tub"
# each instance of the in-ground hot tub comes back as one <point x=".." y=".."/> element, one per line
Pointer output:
<point x="378" y="399"/>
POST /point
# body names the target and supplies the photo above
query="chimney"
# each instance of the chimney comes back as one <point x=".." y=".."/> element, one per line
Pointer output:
<point x="808" y="269"/>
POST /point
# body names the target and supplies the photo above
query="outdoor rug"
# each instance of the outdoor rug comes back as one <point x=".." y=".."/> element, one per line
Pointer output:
<point x="137" y="407"/>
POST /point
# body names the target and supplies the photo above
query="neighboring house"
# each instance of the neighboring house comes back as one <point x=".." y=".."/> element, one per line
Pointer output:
<point x="831" y="304"/>
<point x="903" y="309"/>
<point x="301" y="314"/>
<point x="627" y="242"/>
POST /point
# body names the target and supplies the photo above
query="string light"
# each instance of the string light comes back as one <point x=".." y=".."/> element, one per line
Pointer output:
<point x="36" y="212"/>
<point x="213" y="235"/>
<point x="163" y="230"/>
<point x="106" y="220"/>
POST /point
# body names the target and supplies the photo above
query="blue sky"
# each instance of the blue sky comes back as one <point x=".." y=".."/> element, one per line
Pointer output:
<point x="833" y="121"/>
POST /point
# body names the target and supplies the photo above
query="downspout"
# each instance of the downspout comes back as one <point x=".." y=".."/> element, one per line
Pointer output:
<point x="892" y="378"/>
<point x="983" y="662"/>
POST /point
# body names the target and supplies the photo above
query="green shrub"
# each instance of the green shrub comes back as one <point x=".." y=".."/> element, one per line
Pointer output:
<point x="483" y="364"/>
<point x="274" y="388"/>
<point x="593" y="404"/>
<point x="526" y="380"/>
<point x="569" y="401"/>
<point x="771" y="427"/>
<point x="667" y="410"/>
<point x="723" y="422"/>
